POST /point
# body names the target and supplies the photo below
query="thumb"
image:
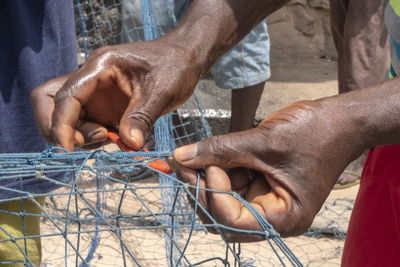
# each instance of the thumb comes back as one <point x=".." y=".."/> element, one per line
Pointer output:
<point x="226" y="151"/>
<point x="137" y="121"/>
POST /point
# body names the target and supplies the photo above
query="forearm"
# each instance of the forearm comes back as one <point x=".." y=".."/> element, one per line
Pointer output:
<point x="373" y="112"/>
<point x="211" y="27"/>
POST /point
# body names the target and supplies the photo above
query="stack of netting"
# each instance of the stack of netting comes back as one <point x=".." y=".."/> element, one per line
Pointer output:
<point x="113" y="209"/>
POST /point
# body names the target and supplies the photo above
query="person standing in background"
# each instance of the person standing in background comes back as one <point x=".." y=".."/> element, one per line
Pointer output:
<point x="244" y="69"/>
<point x="362" y="45"/>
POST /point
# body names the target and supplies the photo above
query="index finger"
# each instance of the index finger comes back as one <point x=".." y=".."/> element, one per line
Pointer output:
<point x="65" y="117"/>
<point x="68" y="103"/>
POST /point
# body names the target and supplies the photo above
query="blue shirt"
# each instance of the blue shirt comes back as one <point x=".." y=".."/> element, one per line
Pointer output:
<point x="37" y="43"/>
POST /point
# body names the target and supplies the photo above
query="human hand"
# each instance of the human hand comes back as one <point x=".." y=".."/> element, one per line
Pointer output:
<point x="129" y="86"/>
<point x="296" y="155"/>
<point x="42" y="98"/>
<point x="126" y="87"/>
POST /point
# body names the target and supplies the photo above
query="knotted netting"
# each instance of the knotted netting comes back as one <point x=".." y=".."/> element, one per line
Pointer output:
<point x="112" y="208"/>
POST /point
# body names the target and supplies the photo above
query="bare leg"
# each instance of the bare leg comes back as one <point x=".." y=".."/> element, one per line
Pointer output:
<point x="353" y="171"/>
<point x="361" y="41"/>
<point x="244" y="105"/>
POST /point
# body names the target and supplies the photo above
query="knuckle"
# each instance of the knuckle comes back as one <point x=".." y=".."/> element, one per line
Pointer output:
<point x="143" y="117"/>
<point x="229" y="236"/>
<point x="304" y="104"/>
<point x="35" y="94"/>
<point x="298" y="227"/>
<point x="101" y="56"/>
<point x="217" y="148"/>
<point x="226" y="151"/>
<point x="295" y="222"/>
<point x="302" y="225"/>
<point x="62" y="95"/>
<point x="101" y="51"/>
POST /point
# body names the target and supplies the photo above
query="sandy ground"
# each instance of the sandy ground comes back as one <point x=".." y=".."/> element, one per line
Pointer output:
<point x="290" y="81"/>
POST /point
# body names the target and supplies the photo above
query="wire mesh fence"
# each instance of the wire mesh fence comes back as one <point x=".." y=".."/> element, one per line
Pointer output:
<point x="112" y="208"/>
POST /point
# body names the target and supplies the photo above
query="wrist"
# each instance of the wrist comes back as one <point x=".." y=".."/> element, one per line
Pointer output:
<point x="193" y="43"/>
<point x="375" y="111"/>
<point x="346" y="123"/>
<point x="210" y="28"/>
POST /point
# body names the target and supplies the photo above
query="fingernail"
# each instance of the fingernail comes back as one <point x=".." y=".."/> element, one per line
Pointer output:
<point x="186" y="153"/>
<point x="99" y="136"/>
<point x="134" y="134"/>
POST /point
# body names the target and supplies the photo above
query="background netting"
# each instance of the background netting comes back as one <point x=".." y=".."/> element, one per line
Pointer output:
<point x="114" y="210"/>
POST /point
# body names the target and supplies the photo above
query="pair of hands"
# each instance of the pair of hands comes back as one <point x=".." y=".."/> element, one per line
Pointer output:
<point x="295" y="155"/>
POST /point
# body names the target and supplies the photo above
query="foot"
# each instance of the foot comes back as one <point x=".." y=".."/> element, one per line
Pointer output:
<point x="353" y="171"/>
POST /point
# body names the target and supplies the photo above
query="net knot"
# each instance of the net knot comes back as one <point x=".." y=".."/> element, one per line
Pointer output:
<point x="47" y="153"/>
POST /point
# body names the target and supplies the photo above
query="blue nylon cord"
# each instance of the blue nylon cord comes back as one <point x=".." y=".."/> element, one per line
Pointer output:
<point x="268" y="230"/>
<point x="196" y="203"/>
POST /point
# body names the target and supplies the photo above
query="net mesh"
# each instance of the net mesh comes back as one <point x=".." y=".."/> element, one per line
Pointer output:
<point x="113" y="209"/>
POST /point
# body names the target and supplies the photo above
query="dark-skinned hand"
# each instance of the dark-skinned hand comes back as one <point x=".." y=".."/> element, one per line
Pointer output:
<point x="126" y="87"/>
<point x="129" y="86"/>
<point x="42" y="99"/>
<point x="295" y="155"/>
